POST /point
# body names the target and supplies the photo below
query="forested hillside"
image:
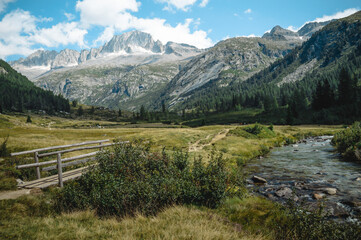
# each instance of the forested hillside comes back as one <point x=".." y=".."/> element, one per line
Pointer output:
<point x="17" y="93"/>
<point x="318" y="82"/>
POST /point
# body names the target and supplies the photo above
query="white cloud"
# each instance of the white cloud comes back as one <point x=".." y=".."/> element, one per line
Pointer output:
<point x="180" y="4"/>
<point x="69" y="16"/>
<point x="292" y="28"/>
<point x="107" y="34"/>
<point x="204" y="3"/>
<point x="105" y="12"/>
<point x="60" y="34"/>
<point x="337" y="15"/>
<point x="248" y="11"/>
<point x="118" y="19"/>
<point x="15" y="29"/>
<point x="19" y="33"/>
<point x="181" y="33"/>
<point x="3" y="4"/>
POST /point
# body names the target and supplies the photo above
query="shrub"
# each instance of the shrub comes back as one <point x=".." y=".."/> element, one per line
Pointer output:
<point x="130" y="179"/>
<point x="256" y="129"/>
<point x="348" y="142"/>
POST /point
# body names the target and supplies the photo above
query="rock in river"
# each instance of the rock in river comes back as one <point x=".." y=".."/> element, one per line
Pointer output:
<point x="330" y="191"/>
<point x="257" y="179"/>
<point x="284" y="192"/>
<point x="318" y="196"/>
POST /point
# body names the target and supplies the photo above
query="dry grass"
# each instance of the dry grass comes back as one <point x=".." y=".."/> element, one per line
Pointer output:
<point x="174" y="223"/>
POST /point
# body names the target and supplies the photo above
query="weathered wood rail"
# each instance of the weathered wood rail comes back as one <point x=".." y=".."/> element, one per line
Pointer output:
<point x="60" y="162"/>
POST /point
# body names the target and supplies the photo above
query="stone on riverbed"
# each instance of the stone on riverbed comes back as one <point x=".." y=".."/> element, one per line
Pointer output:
<point x="318" y="196"/>
<point x="330" y="191"/>
<point x="257" y="179"/>
<point x="284" y="192"/>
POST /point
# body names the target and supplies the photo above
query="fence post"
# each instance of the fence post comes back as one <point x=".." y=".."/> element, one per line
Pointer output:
<point x="60" y="171"/>
<point x="101" y="149"/>
<point x="36" y="158"/>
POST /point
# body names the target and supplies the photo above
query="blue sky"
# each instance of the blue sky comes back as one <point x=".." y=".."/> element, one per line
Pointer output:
<point x="28" y="25"/>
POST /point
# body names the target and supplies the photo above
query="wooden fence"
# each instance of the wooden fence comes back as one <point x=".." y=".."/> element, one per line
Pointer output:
<point x="62" y="162"/>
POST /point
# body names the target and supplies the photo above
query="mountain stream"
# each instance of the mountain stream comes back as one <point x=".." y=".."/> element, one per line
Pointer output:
<point x="309" y="172"/>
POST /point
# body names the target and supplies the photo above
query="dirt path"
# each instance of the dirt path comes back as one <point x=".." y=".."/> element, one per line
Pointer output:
<point x="14" y="194"/>
<point x="197" y="147"/>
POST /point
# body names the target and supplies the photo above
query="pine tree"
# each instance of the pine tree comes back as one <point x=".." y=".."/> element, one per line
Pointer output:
<point x="74" y="103"/>
<point x="92" y="110"/>
<point x="142" y="113"/>
<point x="119" y="112"/>
<point x="346" y="88"/>
<point x="80" y="111"/>
<point x="28" y="119"/>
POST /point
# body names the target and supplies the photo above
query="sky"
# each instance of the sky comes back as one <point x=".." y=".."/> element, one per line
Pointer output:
<point x="29" y="25"/>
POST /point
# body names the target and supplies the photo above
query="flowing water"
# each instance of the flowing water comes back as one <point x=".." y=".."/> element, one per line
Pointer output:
<point x="308" y="167"/>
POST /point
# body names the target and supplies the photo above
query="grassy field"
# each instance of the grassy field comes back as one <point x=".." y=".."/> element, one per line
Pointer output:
<point x="29" y="218"/>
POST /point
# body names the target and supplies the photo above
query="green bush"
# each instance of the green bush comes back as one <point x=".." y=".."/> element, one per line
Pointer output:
<point x="256" y="129"/>
<point x="348" y="142"/>
<point x="130" y="179"/>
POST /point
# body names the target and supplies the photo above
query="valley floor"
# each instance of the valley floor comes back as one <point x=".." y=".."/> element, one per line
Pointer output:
<point x="28" y="217"/>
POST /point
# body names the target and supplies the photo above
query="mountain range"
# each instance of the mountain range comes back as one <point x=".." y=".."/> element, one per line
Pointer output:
<point x="133" y="69"/>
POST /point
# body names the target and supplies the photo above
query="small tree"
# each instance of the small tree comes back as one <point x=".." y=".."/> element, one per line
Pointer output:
<point x="28" y="120"/>
<point x="74" y="103"/>
<point x="80" y="111"/>
<point x="92" y="110"/>
<point x="3" y="148"/>
<point x="142" y="113"/>
<point x="1" y="109"/>
<point x="119" y="112"/>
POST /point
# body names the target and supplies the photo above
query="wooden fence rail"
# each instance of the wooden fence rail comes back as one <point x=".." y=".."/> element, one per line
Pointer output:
<point x="59" y="161"/>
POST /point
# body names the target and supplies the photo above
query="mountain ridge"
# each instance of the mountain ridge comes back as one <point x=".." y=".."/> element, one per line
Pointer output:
<point x="120" y="46"/>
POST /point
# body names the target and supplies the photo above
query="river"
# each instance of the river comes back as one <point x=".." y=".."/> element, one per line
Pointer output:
<point x="310" y="172"/>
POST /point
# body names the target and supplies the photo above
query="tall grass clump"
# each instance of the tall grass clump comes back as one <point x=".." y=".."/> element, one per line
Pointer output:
<point x="302" y="224"/>
<point x="129" y="179"/>
<point x="348" y="142"/>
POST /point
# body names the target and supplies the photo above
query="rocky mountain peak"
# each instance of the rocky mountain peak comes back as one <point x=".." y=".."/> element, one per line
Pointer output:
<point x="38" y="58"/>
<point x="310" y="28"/>
<point x="133" y="42"/>
<point x="66" y="58"/>
<point x="279" y="33"/>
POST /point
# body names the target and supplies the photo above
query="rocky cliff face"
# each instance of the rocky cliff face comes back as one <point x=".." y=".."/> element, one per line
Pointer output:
<point x="241" y="57"/>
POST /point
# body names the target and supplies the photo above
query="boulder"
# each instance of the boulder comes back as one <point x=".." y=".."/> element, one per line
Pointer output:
<point x="257" y="179"/>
